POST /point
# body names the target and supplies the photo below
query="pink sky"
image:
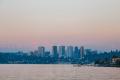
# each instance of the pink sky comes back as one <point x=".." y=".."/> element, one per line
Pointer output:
<point x="26" y="24"/>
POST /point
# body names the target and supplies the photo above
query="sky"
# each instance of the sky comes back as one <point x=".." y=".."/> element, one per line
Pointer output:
<point x="27" y="24"/>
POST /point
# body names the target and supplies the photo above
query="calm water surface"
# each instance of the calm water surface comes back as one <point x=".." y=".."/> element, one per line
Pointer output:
<point x="57" y="72"/>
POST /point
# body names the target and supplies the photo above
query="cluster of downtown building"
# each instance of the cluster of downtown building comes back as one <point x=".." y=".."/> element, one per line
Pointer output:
<point x="61" y="52"/>
<point x="59" y="55"/>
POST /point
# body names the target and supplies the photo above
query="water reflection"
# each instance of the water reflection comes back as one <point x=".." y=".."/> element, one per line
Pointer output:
<point x="57" y="72"/>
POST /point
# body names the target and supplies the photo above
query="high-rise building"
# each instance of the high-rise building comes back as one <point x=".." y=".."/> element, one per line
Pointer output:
<point x="82" y="52"/>
<point x="41" y="50"/>
<point x="61" y="51"/>
<point x="69" y="52"/>
<point x="55" y="51"/>
<point x="76" y="53"/>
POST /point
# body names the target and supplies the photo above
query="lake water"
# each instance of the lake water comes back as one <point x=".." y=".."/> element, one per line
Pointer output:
<point x="57" y="72"/>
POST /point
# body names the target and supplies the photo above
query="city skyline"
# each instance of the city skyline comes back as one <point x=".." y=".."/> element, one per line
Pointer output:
<point x="27" y="24"/>
<point x="62" y="55"/>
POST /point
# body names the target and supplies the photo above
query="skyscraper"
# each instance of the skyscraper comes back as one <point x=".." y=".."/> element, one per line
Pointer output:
<point x="41" y="50"/>
<point x="82" y="51"/>
<point x="62" y="51"/>
<point x="55" y="51"/>
<point x="69" y="52"/>
<point x="76" y="53"/>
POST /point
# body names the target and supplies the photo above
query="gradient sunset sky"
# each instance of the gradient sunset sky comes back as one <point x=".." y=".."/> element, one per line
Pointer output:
<point x="27" y="24"/>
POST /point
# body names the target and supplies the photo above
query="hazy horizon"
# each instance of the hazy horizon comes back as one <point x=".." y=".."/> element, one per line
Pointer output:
<point x="27" y="24"/>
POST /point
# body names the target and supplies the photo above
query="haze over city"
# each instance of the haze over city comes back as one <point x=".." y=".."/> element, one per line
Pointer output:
<point x="27" y="24"/>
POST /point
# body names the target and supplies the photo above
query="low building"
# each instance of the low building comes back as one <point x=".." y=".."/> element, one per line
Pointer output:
<point x="115" y="60"/>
